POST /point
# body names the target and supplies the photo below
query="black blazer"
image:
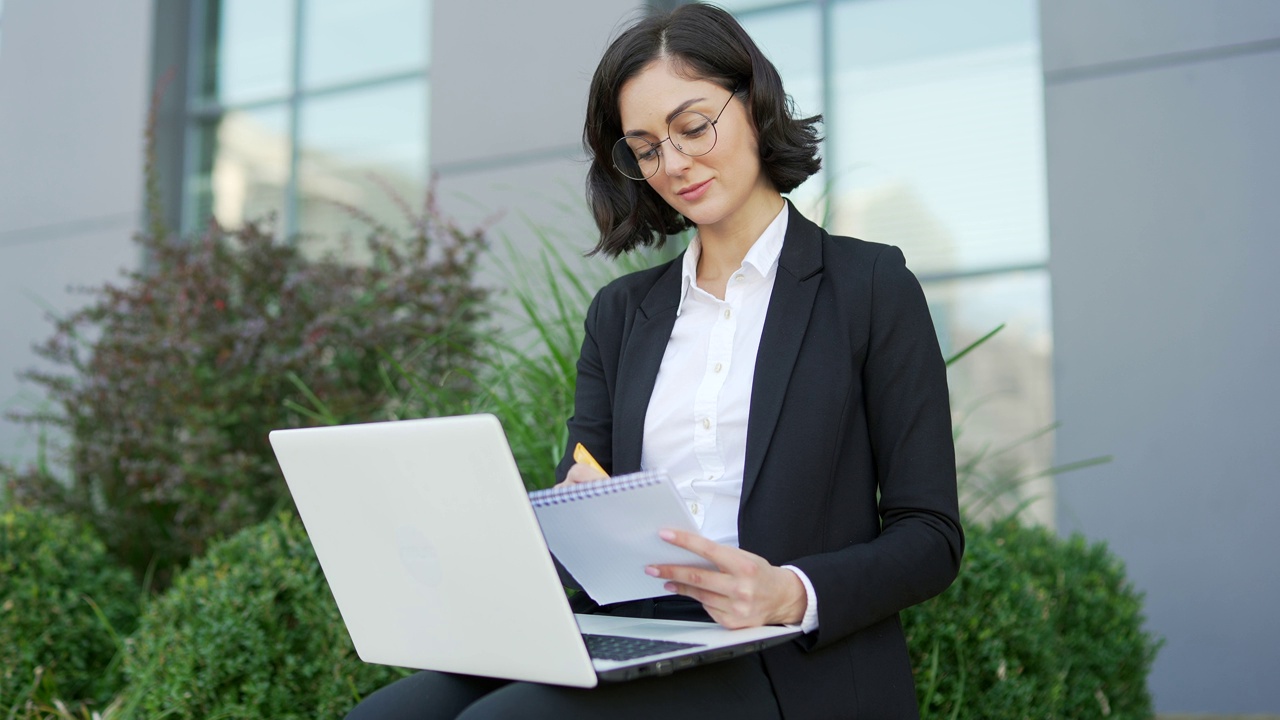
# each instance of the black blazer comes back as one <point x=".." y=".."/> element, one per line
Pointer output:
<point x="849" y="399"/>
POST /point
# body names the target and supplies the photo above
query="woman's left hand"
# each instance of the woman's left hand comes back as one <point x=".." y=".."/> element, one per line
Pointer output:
<point x="744" y="591"/>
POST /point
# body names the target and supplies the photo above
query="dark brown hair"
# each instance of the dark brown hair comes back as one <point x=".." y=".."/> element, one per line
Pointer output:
<point x="706" y="43"/>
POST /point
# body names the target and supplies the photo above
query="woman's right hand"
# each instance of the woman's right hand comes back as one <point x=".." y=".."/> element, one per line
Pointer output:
<point x="581" y="473"/>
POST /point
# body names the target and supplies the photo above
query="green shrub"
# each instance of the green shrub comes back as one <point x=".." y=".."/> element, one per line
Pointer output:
<point x="1035" y="626"/>
<point x="249" y="630"/>
<point x="167" y="384"/>
<point x="62" y="603"/>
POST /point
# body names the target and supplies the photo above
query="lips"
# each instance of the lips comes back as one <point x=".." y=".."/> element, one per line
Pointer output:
<point x="693" y="192"/>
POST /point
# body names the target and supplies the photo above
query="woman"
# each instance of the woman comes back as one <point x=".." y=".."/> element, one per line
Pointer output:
<point x="789" y="381"/>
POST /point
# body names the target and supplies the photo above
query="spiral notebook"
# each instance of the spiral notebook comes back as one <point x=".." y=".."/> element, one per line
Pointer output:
<point x="605" y="532"/>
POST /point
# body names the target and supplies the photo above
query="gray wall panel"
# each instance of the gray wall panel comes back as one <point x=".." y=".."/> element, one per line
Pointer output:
<point x="510" y="79"/>
<point x="1164" y="245"/>
<point x="71" y="110"/>
<point x="1094" y="32"/>
<point x="34" y="278"/>
<point x="74" y="88"/>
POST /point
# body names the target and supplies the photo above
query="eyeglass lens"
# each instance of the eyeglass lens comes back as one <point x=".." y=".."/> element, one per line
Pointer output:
<point x="690" y="132"/>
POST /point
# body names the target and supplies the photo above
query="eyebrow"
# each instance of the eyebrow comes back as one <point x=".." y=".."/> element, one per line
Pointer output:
<point x="670" y="116"/>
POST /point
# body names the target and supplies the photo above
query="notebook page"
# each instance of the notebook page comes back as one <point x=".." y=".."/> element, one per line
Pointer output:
<point x="605" y="532"/>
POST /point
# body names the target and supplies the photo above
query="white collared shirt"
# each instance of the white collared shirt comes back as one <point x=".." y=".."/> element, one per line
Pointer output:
<point x="696" y="424"/>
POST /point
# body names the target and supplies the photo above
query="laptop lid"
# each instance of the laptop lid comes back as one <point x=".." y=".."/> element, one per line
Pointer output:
<point x="426" y="536"/>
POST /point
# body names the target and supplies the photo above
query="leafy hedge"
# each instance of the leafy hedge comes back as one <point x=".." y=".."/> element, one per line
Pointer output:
<point x="61" y="600"/>
<point x="1035" y="626"/>
<point x="250" y="630"/>
<point x="167" y="384"/>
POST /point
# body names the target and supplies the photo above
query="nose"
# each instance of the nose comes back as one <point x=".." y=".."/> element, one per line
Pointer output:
<point x="674" y="162"/>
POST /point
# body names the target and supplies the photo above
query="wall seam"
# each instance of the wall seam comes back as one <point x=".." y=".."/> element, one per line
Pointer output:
<point x="1188" y="57"/>
<point x="60" y="230"/>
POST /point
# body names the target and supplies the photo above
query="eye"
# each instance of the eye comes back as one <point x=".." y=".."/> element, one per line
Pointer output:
<point x="696" y="131"/>
<point x="649" y="154"/>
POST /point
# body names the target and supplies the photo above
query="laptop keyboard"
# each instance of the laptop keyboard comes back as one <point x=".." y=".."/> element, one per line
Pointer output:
<point x="613" y="647"/>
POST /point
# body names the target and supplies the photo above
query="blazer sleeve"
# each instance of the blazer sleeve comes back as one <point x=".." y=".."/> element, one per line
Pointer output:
<point x="917" y="553"/>
<point x="592" y="420"/>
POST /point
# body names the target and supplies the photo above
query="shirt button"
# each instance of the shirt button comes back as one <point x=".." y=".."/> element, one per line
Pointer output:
<point x="727" y="312"/>
<point x="706" y="423"/>
<point x="737" y="277"/>
<point x="719" y="367"/>
<point x="694" y="508"/>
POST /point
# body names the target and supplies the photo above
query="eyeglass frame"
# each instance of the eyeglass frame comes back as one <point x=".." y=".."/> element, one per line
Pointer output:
<point x="658" y="144"/>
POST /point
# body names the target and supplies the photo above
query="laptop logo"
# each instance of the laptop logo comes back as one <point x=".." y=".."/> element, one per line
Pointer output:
<point x="418" y="556"/>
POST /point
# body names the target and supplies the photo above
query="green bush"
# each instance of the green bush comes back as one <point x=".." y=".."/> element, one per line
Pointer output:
<point x="62" y="605"/>
<point x="250" y="630"/>
<point x="1035" y="626"/>
<point x="167" y="384"/>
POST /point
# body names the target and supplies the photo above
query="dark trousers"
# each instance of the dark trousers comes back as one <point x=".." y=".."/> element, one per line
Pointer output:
<point x="737" y="688"/>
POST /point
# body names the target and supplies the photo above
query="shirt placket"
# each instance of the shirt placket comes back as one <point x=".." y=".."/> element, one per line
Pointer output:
<point x="707" y="404"/>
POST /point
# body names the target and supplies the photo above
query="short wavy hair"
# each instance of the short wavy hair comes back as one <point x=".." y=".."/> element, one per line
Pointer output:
<point x="705" y="43"/>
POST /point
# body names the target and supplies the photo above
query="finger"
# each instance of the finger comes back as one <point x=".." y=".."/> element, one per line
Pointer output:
<point x="728" y="559"/>
<point x="720" y="608"/>
<point x="713" y="602"/>
<point x="581" y="473"/>
<point x="702" y="578"/>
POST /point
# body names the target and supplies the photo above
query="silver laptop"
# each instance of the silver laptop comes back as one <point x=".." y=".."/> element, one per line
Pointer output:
<point x="426" y="536"/>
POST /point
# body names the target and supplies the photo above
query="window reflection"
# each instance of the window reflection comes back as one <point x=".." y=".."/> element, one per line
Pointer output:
<point x="352" y="86"/>
<point x="247" y="50"/>
<point x="243" y="168"/>
<point x="1002" y="392"/>
<point x="347" y="41"/>
<point x="934" y="143"/>
<point x="938" y="131"/>
<point x="362" y="149"/>
<point x="777" y="32"/>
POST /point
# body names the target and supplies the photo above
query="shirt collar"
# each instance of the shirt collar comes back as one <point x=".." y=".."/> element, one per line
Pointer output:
<point x="762" y="257"/>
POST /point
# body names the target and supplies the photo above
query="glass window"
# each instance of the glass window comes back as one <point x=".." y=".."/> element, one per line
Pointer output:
<point x="740" y="6"/>
<point x="348" y="41"/>
<point x="362" y="149"/>
<point x="1002" y="392"/>
<point x="243" y="168"/>
<point x="302" y="106"/>
<point x="938" y="131"/>
<point x="800" y="65"/>
<point x="934" y="124"/>
<point x="247" y="50"/>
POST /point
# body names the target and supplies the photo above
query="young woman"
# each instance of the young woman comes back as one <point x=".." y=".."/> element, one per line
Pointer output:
<point x="789" y="381"/>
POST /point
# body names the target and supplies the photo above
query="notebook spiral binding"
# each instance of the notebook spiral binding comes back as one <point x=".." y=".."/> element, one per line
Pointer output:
<point x="582" y="491"/>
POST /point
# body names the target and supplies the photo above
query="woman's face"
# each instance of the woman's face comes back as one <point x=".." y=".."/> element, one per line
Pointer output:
<point x="709" y="189"/>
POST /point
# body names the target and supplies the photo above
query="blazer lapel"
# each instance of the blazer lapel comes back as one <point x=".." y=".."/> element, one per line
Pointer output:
<point x="638" y="369"/>
<point x="794" y="290"/>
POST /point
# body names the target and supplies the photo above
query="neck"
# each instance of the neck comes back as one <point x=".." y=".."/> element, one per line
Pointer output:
<point x="726" y="243"/>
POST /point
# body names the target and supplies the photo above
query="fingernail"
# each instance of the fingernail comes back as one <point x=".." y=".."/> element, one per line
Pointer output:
<point x="651" y="571"/>
<point x="667" y="534"/>
<point x="669" y="587"/>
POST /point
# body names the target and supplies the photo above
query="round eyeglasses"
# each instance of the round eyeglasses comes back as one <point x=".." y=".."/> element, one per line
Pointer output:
<point x="690" y="133"/>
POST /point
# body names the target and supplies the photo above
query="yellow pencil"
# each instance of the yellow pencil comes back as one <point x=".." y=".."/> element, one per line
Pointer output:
<point x="581" y="455"/>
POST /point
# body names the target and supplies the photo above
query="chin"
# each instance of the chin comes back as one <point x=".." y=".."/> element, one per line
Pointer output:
<point x="705" y="212"/>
